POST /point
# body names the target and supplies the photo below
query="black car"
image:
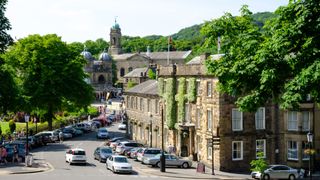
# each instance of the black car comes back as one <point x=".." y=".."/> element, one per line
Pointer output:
<point x="43" y="139"/>
<point x="102" y="153"/>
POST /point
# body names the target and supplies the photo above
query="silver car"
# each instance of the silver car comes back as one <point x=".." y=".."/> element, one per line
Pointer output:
<point x="171" y="160"/>
<point x="277" y="172"/>
<point x="102" y="153"/>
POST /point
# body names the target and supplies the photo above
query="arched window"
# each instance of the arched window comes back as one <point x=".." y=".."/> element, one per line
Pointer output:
<point x="122" y="71"/>
<point x="101" y="79"/>
<point x="130" y="69"/>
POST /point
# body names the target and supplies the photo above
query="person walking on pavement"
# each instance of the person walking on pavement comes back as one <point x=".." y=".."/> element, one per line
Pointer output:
<point x="61" y="136"/>
<point x="15" y="154"/>
<point x="4" y="155"/>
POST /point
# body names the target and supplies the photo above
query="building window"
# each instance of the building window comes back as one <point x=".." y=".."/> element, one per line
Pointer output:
<point x="141" y="104"/>
<point x="148" y="104"/>
<point x="293" y="120"/>
<point x="198" y="117"/>
<point x="261" y="148"/>
<point x="186" y="114"/>
<point x="292" y="150"/>
<point x="236" y="120"/>
<point x="198" y="87"/>
<point x="209" y="89"/>
<point x="209" y="155"/>
<point x="122" y="72"/>
<point x="305" y="146"/>
<point x="260" y="118"/>
<point x="305" y="118"/>
<point x="209" y="119"/>
<point x="132" y="103"/>
<point x="130" y="69"/>
<point x="157" y="106"/>
<point x="237" y="150"/>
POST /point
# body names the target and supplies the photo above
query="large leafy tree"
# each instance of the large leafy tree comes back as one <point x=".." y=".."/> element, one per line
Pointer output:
<point x="51" y="74"/>
<point x="8" y="88"/>
<point x="281" y="63"/>
<point x="5" y="39"/>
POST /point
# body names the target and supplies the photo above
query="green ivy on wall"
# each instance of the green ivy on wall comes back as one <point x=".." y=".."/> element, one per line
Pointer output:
<point x="160" y="86"/>
<point x="181" y="99"/>
<point x="192" y="96"/>
<point x="171" y="118"/>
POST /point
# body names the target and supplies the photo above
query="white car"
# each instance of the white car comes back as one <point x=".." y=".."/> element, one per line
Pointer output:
<point x="76" y="156"/>
<point x="122" y="126"/>
<point x="102" y="133"/>
<point x="118" y="164"/>
<point x="277" y="172"/>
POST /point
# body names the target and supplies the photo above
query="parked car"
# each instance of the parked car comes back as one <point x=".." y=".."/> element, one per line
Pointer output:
<point x="102" y="133"/>
<point x="66" y="135"/>
<point x="54" y="136"/>
<point x="122" y="126"/>
<point x="119" y="164"/>
<point x="21" y="149"/>
<point x="134" y="152"/>
<point x="102" y="153"/>
<point x="108" y="143"/>
<point x="170" y="160"/>
<point x="32" y="142"/>
<point x="148" y="152"/>
<point x="277" y="172"/>
<point x="43" y="139"/>
<point x="94" y="124"/>
<point x="85" y="127"/>
<point x="122" y="147"/>
<point x="76" y="155"/>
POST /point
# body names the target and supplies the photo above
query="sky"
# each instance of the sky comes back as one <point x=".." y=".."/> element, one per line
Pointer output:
<point x="81" y="20"/>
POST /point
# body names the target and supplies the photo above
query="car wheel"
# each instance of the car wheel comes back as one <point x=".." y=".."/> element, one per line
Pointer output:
<point x="292" y="177"/>
<point x="266" y="177"/>
<point x="185" y="165"/>
<point x="158" y="164"/>
<point x="70" y="163"/>
<point x="100" y="159"/>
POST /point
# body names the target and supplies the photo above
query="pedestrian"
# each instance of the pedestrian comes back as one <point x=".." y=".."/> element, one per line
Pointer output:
<point x="15" y="154"/>
<point x="61" y="136"/>
<point x="4" y="155"/>
<point x="170" y="149"/>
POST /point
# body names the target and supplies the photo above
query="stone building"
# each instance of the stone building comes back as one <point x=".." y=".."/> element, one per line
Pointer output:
<point x="211" y="129"/>
<point x="100" y="73"/>
<point x="143" y="111"/>
<point x="126" y="62"/>
<point x="136" y="76"/>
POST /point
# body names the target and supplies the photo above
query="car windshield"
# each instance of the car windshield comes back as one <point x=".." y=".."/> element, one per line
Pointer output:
<point x="79" y="153"/>
<point x="106" y="150"/>
<point x="103" y="130"/>
<point x="120" y="159"/>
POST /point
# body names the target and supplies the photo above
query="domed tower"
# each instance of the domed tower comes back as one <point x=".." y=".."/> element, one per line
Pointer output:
<point x="107" y="66"/>
<point x="87" y="55"/>
<point x="115" y="39"/>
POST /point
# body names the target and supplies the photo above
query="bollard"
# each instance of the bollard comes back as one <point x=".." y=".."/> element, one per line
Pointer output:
<point x="29" y="160"/>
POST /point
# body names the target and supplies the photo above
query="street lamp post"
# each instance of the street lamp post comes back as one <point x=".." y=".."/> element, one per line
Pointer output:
<point x="310" y="138"/>
<point x="26" y="118"/>
<point x="162" y="157"/>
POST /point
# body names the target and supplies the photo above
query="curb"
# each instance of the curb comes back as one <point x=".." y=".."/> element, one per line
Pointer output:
<point x="29" y="170"/>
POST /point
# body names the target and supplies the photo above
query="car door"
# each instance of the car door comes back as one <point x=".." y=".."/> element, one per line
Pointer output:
<point x="96" y="153"/>
<point x="108" y="162"/>
<point x="169" y="160"/>
<point x="174" y="160"/>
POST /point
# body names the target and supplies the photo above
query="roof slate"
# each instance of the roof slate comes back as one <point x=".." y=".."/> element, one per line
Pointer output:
<point x="148" y="87"/>
<point x="136" y="72"/>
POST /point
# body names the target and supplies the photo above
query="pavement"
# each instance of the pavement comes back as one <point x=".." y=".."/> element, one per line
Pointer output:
<point x="191" y="173"/>
<point x="37" y="166"/>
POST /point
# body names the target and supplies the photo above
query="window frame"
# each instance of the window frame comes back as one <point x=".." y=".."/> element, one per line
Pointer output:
<point x="263" y="119"/>
<point x="209" y="120"/>
<point x="233" y="120"/>
<point x="303" y="128"/>
<point x="290" y="120"/>
<point x="209" y="153"/>
<point x="290" y="144"/>
<point x="209" y="89"/>
<point x="263" y="150"/>
<point x="241" y="151"/>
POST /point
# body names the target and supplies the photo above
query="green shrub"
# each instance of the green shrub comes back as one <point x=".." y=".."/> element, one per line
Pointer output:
<point x="12" y="125"/>
<point x="191" y="90"/>
<point x="259" y="164"/>
<point x="160" y="86"/>
<point x="181" y="99"/>
<point x="171" y="110"/>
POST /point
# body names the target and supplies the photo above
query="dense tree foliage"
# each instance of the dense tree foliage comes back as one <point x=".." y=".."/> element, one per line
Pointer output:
<point x="51" y="74"/>
<point x="279" y="63"/>
<point x="5" y="39"/>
